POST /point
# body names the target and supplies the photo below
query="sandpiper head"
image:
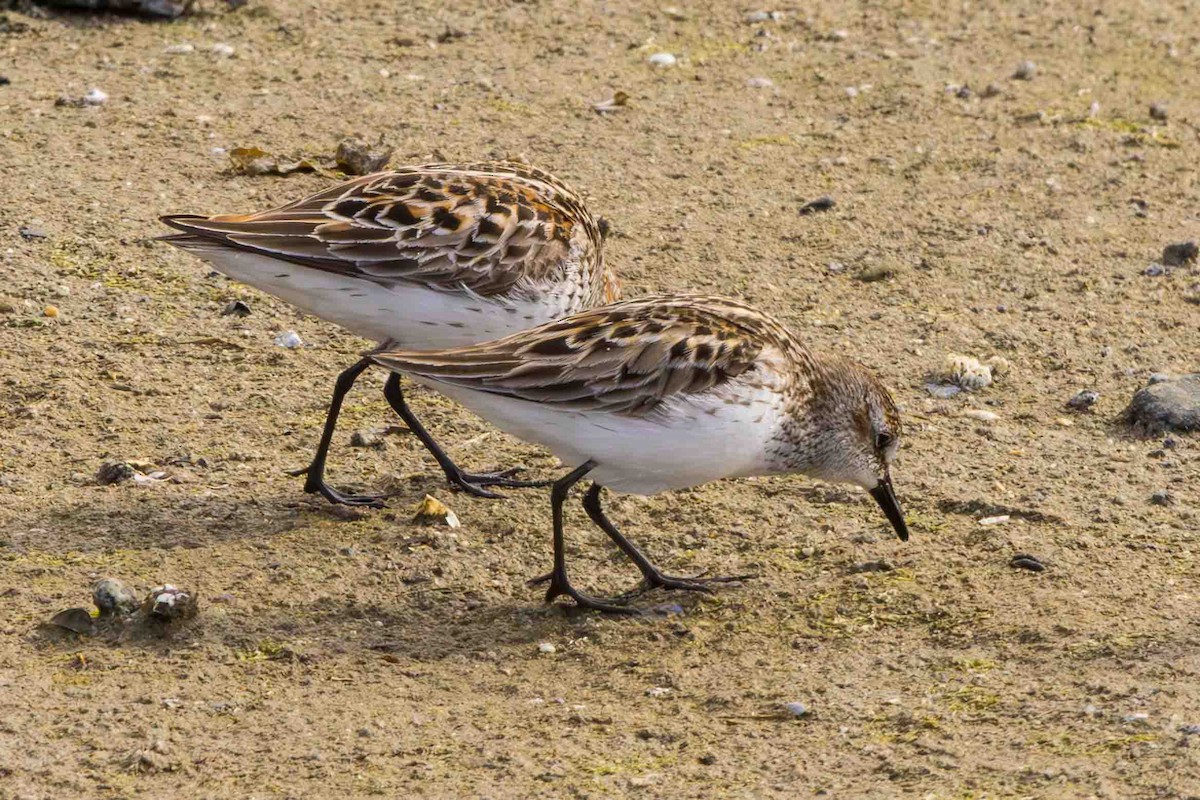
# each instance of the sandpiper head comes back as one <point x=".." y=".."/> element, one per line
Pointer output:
<point x="860" y="435"/>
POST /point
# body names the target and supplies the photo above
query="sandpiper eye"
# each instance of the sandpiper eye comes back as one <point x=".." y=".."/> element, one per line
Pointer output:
<point x="883" y="440"/>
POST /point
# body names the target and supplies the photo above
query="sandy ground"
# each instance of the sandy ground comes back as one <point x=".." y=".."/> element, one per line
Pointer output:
<point x="353" y="653"/>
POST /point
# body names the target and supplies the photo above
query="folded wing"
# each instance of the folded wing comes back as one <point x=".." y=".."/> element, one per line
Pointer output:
<point x="486" y="227"/>
<point x="627" y="358"/>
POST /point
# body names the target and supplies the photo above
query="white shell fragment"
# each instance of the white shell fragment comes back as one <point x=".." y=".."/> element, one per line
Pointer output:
<point x="170" y="603"/>
<point x="1000" y="520"/>
<point x="970" y="373"/>
<point x="662" y="60"/>
<point x="289" y="339"/>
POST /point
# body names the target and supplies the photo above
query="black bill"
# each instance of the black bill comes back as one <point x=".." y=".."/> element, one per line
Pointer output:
<point x="886" y="498"/>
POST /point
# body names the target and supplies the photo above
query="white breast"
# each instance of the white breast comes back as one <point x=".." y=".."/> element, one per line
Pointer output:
<point x="702" y="439"/>
<point x="411" y="315"/>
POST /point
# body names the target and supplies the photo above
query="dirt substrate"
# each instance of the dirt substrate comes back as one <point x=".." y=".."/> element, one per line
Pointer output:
<point x="353" y="653"/>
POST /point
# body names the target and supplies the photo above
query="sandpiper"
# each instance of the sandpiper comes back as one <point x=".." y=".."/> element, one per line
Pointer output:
<point x="433" y="256"/>
<point x="665" y="392"/>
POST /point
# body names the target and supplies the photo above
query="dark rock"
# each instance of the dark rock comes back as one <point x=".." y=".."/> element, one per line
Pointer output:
<point x="820" y="204"/>
<point x="149" y="8"/>
<point x="1169" y="403"/>
<point x="114" y="472"/>
<point x="1180" y="254"/>
<point x="1161" y="498"/>
<point x="357" y="157"/>
<point x="31" y="233"/>
<point x="236" y="309"/>
<point x="1026" y="561"/>
<point x="1158" y="111"/>
<point x="1083" y="401"/>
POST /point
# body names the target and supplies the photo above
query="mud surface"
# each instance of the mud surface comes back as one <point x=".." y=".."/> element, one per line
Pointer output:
<point x="353" y="653"/>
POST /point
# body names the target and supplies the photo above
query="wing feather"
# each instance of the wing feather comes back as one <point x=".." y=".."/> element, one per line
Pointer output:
<point x="627" y="358"/>
<point x="486" y="227"/>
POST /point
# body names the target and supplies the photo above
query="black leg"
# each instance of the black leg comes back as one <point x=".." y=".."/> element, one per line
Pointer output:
<point x="559" y="583"/>
<point x="315" y="484"/>
<point x="466" y="481"/>
<point x="652" y="577"/>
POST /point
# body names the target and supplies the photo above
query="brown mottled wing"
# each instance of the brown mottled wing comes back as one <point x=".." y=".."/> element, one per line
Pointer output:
<point x="485" y="227"/>
<point x="625" y="358"/>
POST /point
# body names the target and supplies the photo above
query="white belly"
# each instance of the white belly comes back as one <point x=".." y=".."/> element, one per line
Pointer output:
<point x="413" y="316"/>
<point x="641" y="455"/>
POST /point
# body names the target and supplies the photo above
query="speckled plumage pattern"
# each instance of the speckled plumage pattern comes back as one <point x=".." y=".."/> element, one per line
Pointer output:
<point x="665" y="392"/>
<point x="509" y="239"/>
<point x="441" y="255"/>
<point x="699" y="370"/>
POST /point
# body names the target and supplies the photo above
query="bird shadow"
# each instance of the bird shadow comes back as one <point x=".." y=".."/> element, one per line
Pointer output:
<point x="164" y="520"/>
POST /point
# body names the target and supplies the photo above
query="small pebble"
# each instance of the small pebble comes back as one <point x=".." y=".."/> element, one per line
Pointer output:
<point x="760" y="83"/>
<point x="992" y="90"/>
<point x="1084" y="400"/>
<point x="1180" y="254"/>
<point x="112" y="596"/>
<point x="432" y="511"/>
<point x="95" y="97"/>
<point x="982" y="416"/>
<point x="757" y="16"/>
<point x="999" y="520"/>
<point x="870" y="566"/>
<point x="289" y="339"/>
<point x="1025" y="71"/>
<point x="31" y="233"/>
<point x="836" y="267"/>
<point x="546" y="648"/>
<point x="820" y="204"/>
<point x="365" y="439"/>
<point x="796" y="710"/>
<point x="658" y="691"/>
<point x="942" y="391"/>
<point x="1138" y="717"/>
<point x="170" y="603"/>
<point x="114" y="472"/>
<point x="50" y="311"/>
<point x="1162" y="498"/>
<point x="179" y="49"/>
<point x="662" y="60"/>
<point x="1189" y="730"/>
<point x="1026" y="561"/>
<point x="876" y="272"/>
<point x="851" y="91"/>
<point x="1158" y="111"/>
<point x="237" y="308"/>
<point x="222" y="49"/>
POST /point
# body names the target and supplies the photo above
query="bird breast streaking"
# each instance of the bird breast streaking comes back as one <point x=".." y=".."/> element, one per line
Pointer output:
<point x="669" y="391"/>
